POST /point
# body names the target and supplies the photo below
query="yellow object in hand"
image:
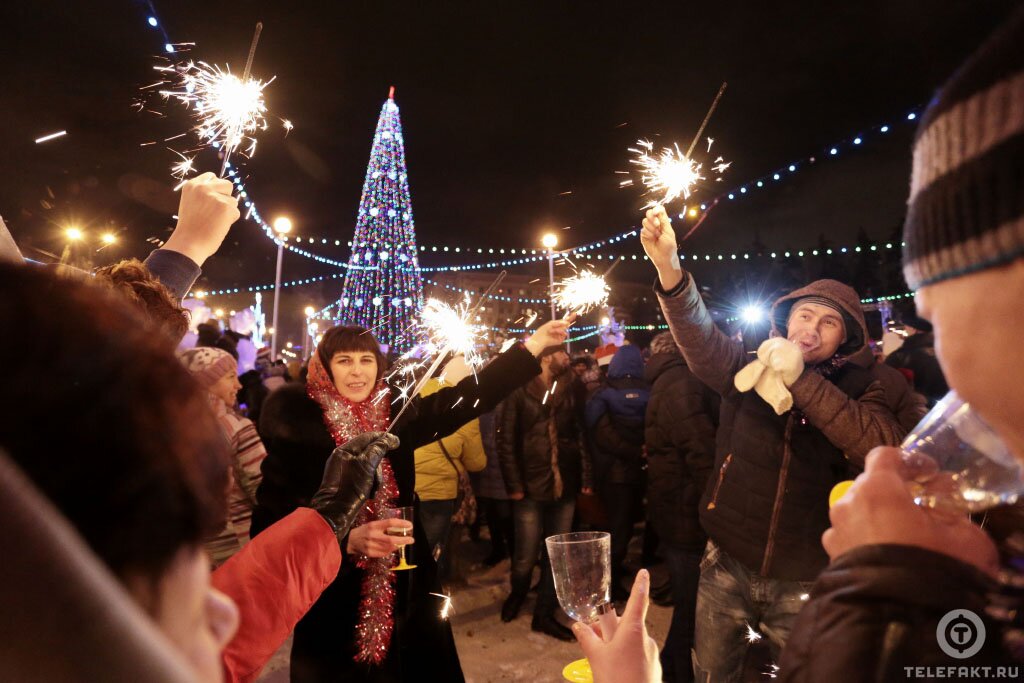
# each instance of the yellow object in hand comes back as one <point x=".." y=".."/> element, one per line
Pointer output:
<point x="838" y="491"/>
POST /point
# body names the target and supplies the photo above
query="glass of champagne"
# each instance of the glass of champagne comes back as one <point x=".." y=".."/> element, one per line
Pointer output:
<point x="958" y="463"/>
<point x="402" y="531"/>
<point x="582" y="569"/>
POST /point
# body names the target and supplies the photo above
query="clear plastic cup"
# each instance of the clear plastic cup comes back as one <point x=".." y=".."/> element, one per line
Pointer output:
<point x="958" y="463"/>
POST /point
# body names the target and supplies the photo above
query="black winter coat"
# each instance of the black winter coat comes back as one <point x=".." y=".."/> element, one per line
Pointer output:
<point x="298" y="445"/>
<point x="918" y="355"/>
<point x="525" y="442"/>
<point x="875" y="611"/>
<point x="682" y="418"/>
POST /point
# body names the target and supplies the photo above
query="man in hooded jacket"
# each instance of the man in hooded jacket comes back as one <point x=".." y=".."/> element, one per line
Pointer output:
<point x="794" y="423"/>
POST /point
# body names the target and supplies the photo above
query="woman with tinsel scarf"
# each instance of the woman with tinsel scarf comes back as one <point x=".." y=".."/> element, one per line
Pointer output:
<point x="374" y="624"/>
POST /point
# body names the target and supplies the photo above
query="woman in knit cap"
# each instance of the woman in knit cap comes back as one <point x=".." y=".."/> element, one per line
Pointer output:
<point x="216" y="371"/>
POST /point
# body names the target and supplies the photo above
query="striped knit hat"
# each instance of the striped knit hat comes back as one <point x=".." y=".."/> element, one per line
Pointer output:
<point x="966" y="206"/>
<point x="208" y="364"/>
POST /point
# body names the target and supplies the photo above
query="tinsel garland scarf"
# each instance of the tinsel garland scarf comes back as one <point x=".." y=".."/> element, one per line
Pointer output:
<point x="345" y="420"/>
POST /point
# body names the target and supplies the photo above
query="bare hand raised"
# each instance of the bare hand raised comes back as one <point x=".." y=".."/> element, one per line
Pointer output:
<point x="551" y="333"/>
<point x="205" y="214"/>
<point x="659" y="241"/>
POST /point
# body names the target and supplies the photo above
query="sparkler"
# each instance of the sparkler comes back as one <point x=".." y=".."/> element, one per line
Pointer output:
<point x="582" y="292"/>
<point x="752" y="635"/>
<point x="448" y="330"/>
<point x="446" y="606"/>
<point x="228" y="109"/>
<point x="670" y="173"/>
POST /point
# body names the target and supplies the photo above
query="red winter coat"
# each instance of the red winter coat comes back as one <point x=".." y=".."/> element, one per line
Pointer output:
<point x="274" y="580"/>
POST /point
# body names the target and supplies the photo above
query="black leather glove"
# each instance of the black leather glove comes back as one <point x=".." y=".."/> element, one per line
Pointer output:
<point x="348" y="478"/>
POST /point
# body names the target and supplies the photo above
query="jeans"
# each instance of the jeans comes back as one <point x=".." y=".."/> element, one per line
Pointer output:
<point x="731" y="599"/>
<point x="436" y="520"/>
<point x="684" y="572"/>
<point x="535" y="521"/>
<point x="621" y="502"/>
<point x="501" y="526"/>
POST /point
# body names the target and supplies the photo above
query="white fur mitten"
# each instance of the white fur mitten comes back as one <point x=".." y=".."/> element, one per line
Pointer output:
<point x="779" y="363"/>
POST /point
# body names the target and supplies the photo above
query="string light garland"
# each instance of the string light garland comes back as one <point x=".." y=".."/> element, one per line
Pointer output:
<point x="738" y="192"/>
<point x="534" y="255"/>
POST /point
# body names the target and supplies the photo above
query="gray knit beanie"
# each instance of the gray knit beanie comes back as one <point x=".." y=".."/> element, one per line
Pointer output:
<point x="966" y="207"/>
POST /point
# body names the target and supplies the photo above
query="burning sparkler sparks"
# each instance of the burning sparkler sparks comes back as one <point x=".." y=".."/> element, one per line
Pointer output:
<point x="752" y="636"/>
<point x="449" y="329"/>
<point x="446" y="606"/>
<point x="182" y="169"/>
<point x="582" y="292"/>
<point x="669" y="174"/>
<point x="228" y="110"/>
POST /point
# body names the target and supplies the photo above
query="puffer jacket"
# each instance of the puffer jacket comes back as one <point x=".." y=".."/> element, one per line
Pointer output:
<point x="436" y="476"/>
<point x="767" y="502"/>
<point x="615" y="420"/>
<point x="918" y="356"/>
<point x="682" y="418"/>
<point x="541" y="442"/>
<point x="874" y="612"/>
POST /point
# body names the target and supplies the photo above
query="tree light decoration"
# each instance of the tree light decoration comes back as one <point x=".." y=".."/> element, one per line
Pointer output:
<point x="385" y="293"/>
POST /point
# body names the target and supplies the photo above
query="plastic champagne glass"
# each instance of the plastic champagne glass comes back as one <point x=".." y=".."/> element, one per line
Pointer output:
<point x="582" y="569"/>
<point x="402" y="531"/>
<point x="958" y="463"/>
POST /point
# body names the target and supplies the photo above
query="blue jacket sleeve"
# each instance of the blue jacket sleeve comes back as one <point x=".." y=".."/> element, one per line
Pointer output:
<point x="175" y="271"/>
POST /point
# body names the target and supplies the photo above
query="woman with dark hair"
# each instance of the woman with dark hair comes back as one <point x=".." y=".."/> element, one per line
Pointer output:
<point x="125" y="446"/>
<point x="374" y="624"/>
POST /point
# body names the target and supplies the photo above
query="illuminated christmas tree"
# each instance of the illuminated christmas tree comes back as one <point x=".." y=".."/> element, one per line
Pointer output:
<point x="383" y="290"/>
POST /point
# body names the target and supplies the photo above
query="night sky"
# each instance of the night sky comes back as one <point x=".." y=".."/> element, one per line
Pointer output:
<point x="505" y="106"/>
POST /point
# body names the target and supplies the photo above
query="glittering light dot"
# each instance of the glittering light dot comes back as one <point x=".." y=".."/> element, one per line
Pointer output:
<point x="152" y="21"/>
<point x="884" y="129"/>
<point x="911" y="116"/>
<point x="168" y="47"/>
<point x="833" y="151"/>
<point x="856" y="141"/>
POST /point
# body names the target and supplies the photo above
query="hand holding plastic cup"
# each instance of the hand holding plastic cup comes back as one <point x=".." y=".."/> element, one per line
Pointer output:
<point x="958" y="463"/>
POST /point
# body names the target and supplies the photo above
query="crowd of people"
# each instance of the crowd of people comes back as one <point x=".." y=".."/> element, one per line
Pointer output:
<point x="213" y="519"/>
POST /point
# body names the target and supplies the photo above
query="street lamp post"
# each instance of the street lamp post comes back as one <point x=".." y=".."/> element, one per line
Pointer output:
<point x="282" y="226"/>
<point x="307" y="336"/>
<point x="549" y="241"/>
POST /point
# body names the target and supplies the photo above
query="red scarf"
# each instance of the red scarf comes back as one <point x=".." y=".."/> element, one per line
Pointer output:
<point x="346" y="420"/>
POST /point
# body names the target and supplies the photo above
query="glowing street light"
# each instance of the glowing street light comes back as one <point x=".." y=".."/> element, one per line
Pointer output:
<point x="549" y="241"/>
<point x="108" y="238"/>
<point x="74" y="234"/>
<point x="282" y="226"/>
<point x="752" y="314"/>
<point x="693" y="213"/>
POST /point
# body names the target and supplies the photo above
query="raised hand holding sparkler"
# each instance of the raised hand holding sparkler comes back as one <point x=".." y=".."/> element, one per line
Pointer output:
<point x="205" y="214"/>
<point x="659" y="242"/>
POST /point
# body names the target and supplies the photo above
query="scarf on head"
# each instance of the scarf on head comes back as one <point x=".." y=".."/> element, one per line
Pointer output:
<point x="346" y="420"/>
